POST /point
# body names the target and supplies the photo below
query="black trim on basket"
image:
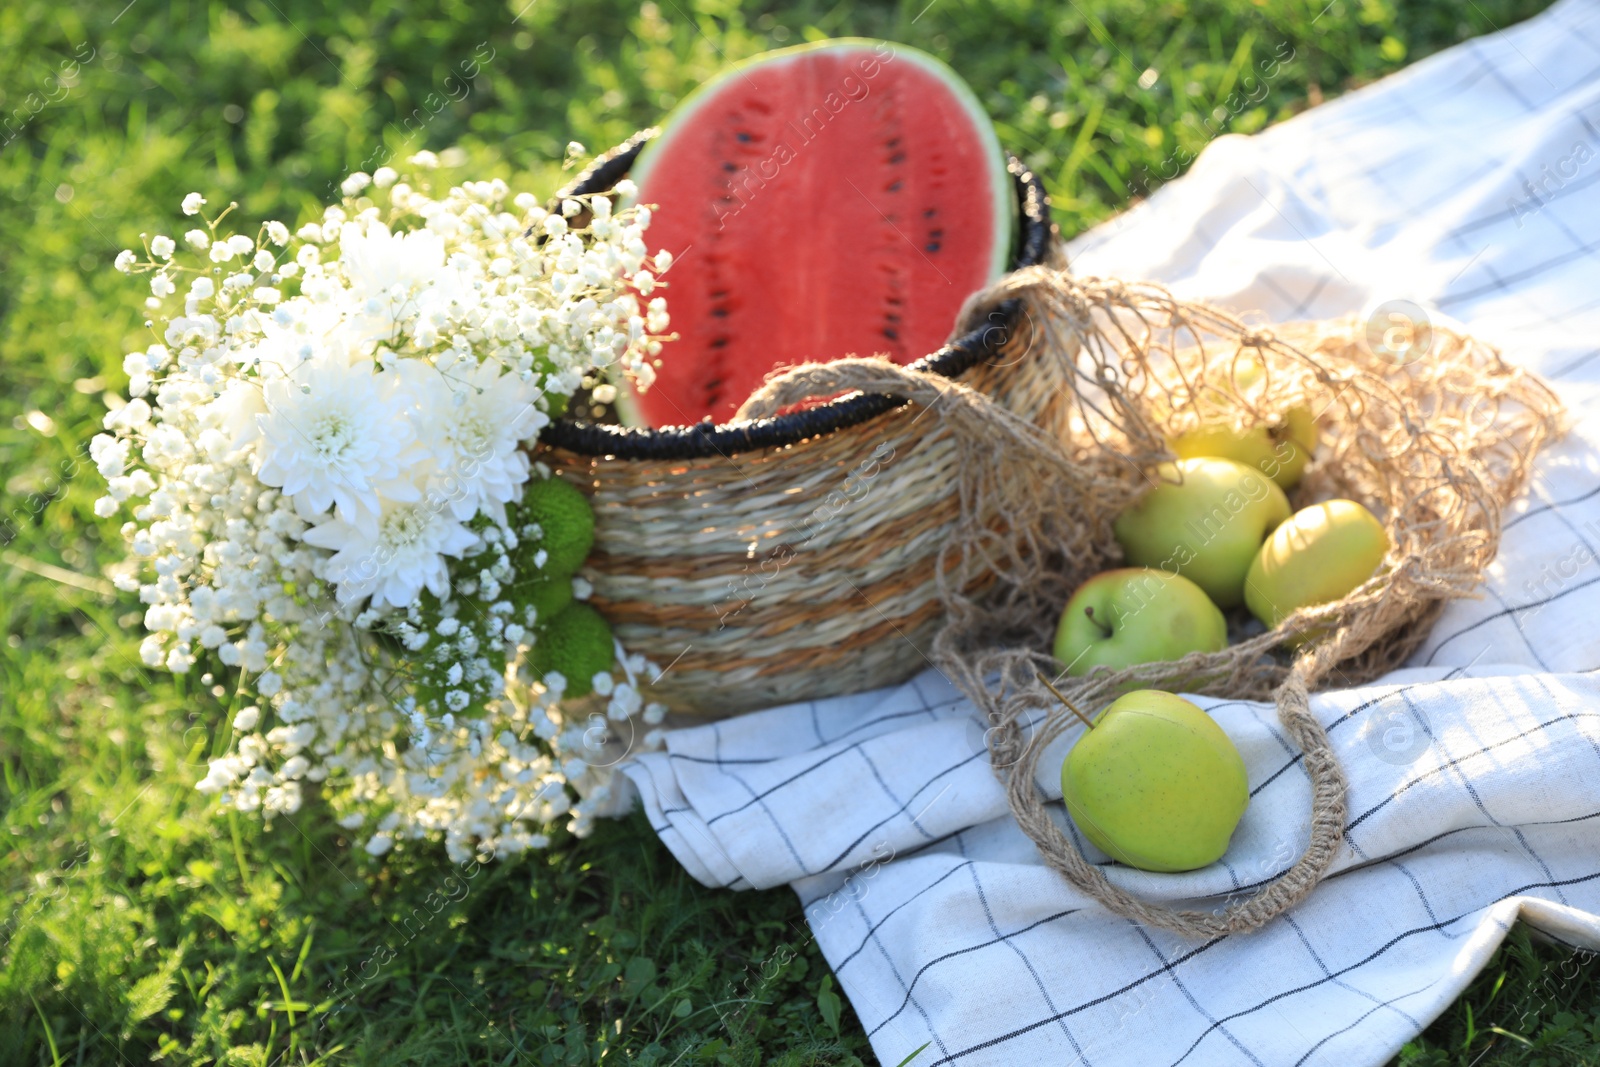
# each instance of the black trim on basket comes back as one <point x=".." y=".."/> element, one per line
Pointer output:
<point x="704" y="439"/>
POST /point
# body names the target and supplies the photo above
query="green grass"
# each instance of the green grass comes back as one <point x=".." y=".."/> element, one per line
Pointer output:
<point x="134" y="924"/>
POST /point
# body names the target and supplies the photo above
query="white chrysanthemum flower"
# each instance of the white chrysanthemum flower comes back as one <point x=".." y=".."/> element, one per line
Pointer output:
<point x="475" y="421"/>
<point x="376" y="261"/>
<point x="336" y="434"/>
<point x="397" y="559"/>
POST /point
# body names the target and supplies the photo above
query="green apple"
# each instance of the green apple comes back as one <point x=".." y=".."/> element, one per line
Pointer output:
<point x="1205" y="521"/>
<point x="1155" y="783"/>
<point x="1136" y="615"/>
<point x="1280" y="449"/>
<point x="1321" y="554"/>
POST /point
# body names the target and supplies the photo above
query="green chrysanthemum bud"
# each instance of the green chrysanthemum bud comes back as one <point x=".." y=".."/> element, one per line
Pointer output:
<point x="577" y="643"/>
<point x="548" y="597"/>
<point x="564" y="515"/>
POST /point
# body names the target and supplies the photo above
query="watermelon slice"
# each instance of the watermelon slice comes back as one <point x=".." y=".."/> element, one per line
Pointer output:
<point x="834" y="199"/>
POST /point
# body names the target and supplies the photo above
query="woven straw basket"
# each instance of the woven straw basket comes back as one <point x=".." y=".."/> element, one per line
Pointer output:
<point x="772" y="560"/>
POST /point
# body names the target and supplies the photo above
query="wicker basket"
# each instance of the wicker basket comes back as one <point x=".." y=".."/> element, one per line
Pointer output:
<point x="776" y="560"/>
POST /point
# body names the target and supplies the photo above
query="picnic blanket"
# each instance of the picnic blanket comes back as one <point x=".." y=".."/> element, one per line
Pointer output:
<point x="1469" y="184"/>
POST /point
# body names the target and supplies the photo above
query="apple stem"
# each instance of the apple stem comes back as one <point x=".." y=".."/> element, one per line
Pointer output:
<point x="1070" y="705"/>
<point x="1102" y="627"/>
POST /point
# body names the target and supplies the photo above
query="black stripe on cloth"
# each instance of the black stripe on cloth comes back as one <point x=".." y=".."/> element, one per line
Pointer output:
<point x="1580" y="361"/>
<point x="1503" y="285"/>
<point x="1472" y="791"/>
<point x="878" y="776"/>
<point x="1114" y="994"/>
<point x="792" y="778"/>
<point x="1334" y="725"/>
<point x="894" y="968"/>
<point x="1551" y="505"/>
<point x="857" y="728"/>
<point x="1216" y="1024"/>
<point x="901" y="809"/>
<point x="1362" y="993"/>
<point x="873" y="928"/>
<point x="1391" y="943"/>
<point x="1450" y="764"/>
<point x="1393" y="856"/>
<point x="1503" y="612"/>
<point x="1049" y="1001"/>
<point x="796" y="776"/>
<point x="974" y="948"/>
<point x="1390" y="1003"/>
<point x="1448" y="833"/>
<point x="716" y="734"/>
<point x="1373" y="169"/>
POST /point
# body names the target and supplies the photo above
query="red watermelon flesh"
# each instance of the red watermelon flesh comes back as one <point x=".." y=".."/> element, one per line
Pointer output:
<point x="819" y="202"/>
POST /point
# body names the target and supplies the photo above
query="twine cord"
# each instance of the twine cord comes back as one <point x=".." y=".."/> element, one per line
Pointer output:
<point x="1435" y="448"/>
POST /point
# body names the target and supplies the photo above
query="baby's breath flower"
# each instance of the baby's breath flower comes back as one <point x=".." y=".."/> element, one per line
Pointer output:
<point x="125" y="260"/>
<point x="322" y="481"/>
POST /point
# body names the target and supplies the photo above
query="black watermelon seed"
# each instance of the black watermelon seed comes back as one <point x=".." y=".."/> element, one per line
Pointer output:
<point x="743" y="136"/>
<point x="932" y="246"/>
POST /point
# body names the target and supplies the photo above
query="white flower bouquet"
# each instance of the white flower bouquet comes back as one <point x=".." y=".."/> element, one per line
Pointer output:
<point x="325" y="461"/>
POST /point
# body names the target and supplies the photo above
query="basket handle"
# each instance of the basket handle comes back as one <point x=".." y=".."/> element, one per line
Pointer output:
<point x="867" y="375"/>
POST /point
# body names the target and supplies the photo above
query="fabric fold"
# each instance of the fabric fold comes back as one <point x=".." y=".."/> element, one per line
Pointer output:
<point x="1466" y="186"/>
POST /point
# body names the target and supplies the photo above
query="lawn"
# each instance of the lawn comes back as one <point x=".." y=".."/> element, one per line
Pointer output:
<point x="138" y="925"/>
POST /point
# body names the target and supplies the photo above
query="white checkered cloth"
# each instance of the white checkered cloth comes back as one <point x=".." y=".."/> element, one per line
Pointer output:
<point x="1474" y="775"/>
